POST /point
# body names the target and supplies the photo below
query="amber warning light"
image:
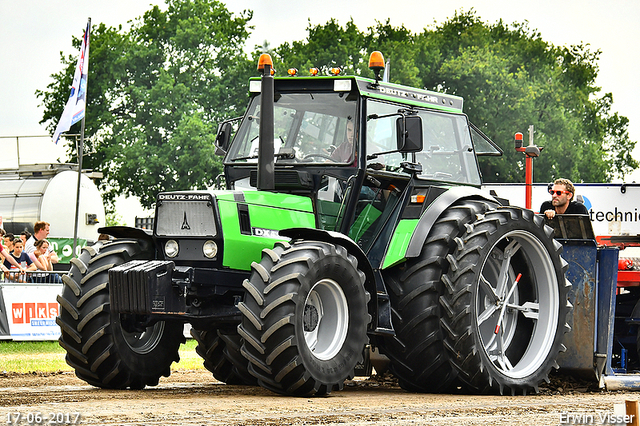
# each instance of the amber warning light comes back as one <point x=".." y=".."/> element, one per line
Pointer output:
<point x="376" y="63"/>
<point x="265" y="59"/>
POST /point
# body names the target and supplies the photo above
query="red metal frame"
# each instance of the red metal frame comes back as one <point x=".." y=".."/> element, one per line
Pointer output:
<point x="626" y="278"/>
<point x="528" y="178"/>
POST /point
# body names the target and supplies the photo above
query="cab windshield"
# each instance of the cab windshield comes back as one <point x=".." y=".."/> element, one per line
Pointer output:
<point x="308" y="128"/>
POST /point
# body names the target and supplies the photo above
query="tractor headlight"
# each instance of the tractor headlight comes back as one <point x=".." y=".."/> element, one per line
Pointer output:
<point x="171" y="248"/>
<point x="210" y="249"/>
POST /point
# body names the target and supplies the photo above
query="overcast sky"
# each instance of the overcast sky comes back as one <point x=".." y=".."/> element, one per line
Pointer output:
<point x="33" y="32"/>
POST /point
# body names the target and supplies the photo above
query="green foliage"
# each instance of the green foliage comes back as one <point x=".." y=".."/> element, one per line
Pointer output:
<point x="510" y="78"/>
<point x="114" y="219"/>
<point x="157" y="90"/>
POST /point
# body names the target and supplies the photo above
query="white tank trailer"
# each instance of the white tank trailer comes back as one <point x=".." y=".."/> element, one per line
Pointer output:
<point x="48" y="192"/>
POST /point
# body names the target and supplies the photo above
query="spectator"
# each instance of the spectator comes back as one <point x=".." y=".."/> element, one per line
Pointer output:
<point x="561" y="202"/>
<point x="43" y="256"/>
<point x="7" y="257"/>
<point x="22" y="259"/>
<point x="24" y="236"/>
<point x="40" y="232"/>
<point x="8" y="241"/>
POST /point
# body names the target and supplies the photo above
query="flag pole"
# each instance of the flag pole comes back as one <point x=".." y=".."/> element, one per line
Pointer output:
<point x="79" y="150"/>
<point x="80" y="153"/>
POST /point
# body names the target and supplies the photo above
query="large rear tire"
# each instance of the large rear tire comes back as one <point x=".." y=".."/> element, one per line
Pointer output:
<point x="304" y="318"/>
<point x="101" y="347"/>
<point x="220" y="350"/>
<point x="417" y="354"/>
<point x="506" y="302"/>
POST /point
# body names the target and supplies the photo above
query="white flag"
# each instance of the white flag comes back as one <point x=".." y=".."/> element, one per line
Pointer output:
<point x="74" y="110"/>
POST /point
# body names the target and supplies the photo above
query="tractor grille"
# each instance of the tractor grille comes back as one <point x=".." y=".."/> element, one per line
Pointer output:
<point x="185" y="219"/>
<point x="140" y="286"/>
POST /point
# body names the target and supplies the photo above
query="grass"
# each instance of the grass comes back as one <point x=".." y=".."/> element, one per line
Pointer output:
<point x="48" y="357"/>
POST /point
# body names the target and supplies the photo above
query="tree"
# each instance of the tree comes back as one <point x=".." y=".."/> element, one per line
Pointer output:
<point x="510" y="78"/>
<point x="326" y="46"/>
<point x="156" y="92"/>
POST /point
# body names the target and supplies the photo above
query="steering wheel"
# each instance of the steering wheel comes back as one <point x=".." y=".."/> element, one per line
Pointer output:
<point x="325" y="156"/>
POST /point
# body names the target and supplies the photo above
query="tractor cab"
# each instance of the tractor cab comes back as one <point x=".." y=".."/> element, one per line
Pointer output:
<point x="353" y="145"/>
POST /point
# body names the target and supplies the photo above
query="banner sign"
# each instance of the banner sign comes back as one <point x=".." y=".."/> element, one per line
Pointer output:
<point x="64" y="248"/>
<point x="614" y="209"/>
<point x="31" y="310"/>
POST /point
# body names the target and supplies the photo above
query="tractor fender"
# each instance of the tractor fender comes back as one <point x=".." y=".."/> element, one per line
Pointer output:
<point x="143" y="236"/>
<point x="341" y="239"/>
<point x="433" y="212"/>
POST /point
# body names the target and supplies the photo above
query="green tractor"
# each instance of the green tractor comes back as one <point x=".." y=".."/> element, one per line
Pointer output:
<point x="352" y="219"/>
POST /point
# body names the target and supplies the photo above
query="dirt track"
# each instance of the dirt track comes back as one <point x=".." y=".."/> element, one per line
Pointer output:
<point x="195" y="398"/>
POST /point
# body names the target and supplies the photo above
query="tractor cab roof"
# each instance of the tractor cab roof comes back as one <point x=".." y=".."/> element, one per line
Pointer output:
<point x="365" y="87"/>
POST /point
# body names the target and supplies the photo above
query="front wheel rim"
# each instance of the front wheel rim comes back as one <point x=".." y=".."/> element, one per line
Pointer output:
<point x="146" y="341"/>
<point x="502" y="310"/>
<point x="325" y="320"/>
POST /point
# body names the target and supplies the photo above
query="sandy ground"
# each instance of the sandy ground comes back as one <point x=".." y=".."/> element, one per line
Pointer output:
<point x="195" y="398"/>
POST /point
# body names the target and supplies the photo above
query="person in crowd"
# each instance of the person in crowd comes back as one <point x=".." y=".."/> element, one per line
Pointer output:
<point x="22" y="259"/>
<point x="8" y="241"/>
<point x="40" y="232"/>
<point x="4" y="254"/>
<point x="43" y="256"/>
<point x="562" y="194"/>
<point x="24" y="236"/>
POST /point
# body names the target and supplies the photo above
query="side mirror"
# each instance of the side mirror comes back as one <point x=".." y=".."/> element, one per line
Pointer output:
<point x="409" y="131"/>
<point x="223" y="138"/>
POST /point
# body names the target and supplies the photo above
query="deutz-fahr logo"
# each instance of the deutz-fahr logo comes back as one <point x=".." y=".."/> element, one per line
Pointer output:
<point x="184" y="197"/>
<point x="407" y="94"/>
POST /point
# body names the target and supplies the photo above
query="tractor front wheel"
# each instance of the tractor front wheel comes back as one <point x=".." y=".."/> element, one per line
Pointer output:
<point x="304" y="318"/>
<point x="105" y="348"/>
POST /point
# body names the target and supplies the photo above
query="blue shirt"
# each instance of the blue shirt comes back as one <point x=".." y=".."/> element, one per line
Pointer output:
<point x="24" y="257"/>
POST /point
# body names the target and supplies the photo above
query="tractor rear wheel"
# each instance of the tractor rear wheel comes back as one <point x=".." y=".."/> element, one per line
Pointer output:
<point x="506" y="302"/>
<point x="304" y="318"/>
<point x="102" y="346"/>
<point x="220" y="350"/>
<point x="417" y="354"/>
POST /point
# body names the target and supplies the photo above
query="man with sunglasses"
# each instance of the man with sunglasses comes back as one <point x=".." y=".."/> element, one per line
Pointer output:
<point x="561" y="200"/>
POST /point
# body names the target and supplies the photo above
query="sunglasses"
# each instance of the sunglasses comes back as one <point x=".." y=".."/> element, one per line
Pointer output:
<point x="558" y="193"/>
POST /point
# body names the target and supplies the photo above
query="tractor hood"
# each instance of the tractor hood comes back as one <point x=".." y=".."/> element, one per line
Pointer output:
<point x="242" y="223"/>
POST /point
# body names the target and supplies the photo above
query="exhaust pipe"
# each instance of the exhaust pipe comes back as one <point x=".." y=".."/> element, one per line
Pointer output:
<point x="266" y="173"/>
